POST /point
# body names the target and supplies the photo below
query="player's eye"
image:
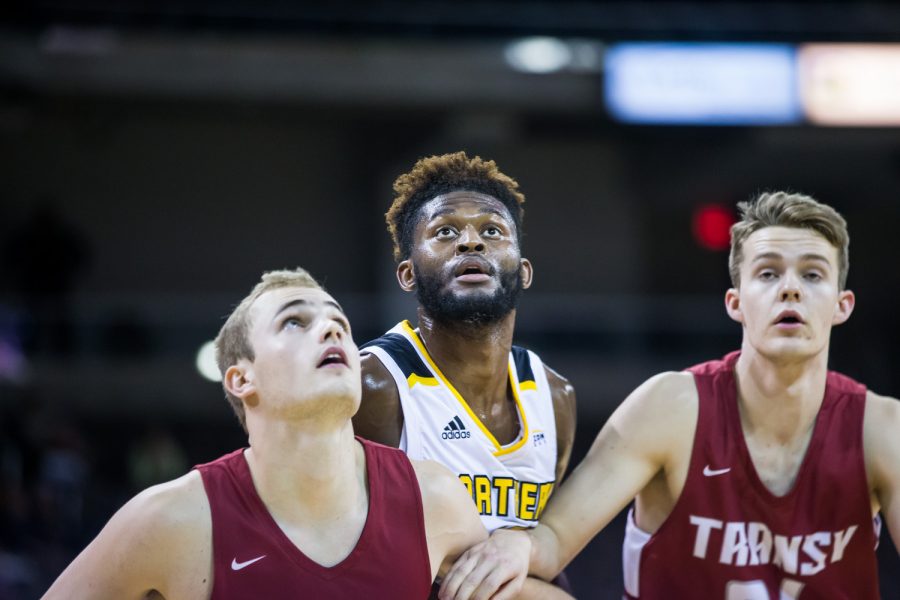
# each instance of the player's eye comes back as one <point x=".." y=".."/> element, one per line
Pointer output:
<point x="345" y="325"/>
<point x="445" y="232"/>
<point x="293" y="322"/>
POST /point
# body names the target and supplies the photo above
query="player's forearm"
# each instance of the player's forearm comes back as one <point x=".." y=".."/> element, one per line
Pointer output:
<point x="538" y="589"/>
<point x="546" y="561"/>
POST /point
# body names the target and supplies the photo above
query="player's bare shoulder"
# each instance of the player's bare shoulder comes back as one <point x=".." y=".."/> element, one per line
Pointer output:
<point x="881" y="441"/>
<point x="661" y="412"/>
<point x="174" y="523"/>
<point x="562" y="393"/>
<point x="673" y="390"/>
<point x="882" y="420"/>
<point x="441" y="489"/>
<point x="178" y="507"/>
<point x="380" y="416"/>
<point x="880" y="407"/>
<point x="376" y="378"/>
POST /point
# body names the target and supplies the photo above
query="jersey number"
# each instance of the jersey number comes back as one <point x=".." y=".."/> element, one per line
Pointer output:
<point x="756" y="590"/>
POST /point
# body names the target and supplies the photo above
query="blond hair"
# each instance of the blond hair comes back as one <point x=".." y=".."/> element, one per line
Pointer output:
<point x="784" y="209"/>
<point x="233" y="342"/>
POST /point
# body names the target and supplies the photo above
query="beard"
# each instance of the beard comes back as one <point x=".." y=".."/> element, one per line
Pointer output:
<point x="473" y="310"/>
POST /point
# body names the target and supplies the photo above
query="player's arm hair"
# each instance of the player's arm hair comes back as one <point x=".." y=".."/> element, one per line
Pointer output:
<point x="564" y="411"/>
<point x="159" y="540"/>
<point x="451" y="521"/>
<point x="631" y="448"/>
<point x="380" y="416"/>
<point x="881" y="442"/>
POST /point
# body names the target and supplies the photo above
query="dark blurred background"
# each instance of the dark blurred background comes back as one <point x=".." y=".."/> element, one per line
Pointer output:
<point x="155" y="158"/>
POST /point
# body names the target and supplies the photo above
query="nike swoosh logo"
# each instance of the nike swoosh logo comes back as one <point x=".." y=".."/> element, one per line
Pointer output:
<point x="713" y="472"/>
<point x="237" y="566"/>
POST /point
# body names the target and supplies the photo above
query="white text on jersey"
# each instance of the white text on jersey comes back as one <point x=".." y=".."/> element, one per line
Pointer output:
<point x="753" y="543"/>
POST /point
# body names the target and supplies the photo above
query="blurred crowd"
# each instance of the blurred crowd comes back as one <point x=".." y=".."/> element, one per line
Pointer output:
<point x="59" y="486"/>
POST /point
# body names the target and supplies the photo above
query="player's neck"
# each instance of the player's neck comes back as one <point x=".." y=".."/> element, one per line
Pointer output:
<point x="781" y="398"/>
<point x="472" y="358"/>
<point x="307" y="470"/>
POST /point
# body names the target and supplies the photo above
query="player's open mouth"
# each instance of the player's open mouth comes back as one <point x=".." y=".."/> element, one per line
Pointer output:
<point x="789" y="318"/>
<point x="333" y="356"/>
<point x="473" y="270"/>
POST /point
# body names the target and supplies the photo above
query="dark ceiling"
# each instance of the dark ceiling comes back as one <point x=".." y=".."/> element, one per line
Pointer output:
<point x="613" y="20"/>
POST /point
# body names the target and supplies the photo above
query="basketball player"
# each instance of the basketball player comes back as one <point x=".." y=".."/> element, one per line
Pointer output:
<point x="756" y="477"/>
<point x="307" y="510"/>
<point x="455" y="389"/>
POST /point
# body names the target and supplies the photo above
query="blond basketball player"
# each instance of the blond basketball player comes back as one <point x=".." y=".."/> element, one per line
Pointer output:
<point x="308" y="509"/>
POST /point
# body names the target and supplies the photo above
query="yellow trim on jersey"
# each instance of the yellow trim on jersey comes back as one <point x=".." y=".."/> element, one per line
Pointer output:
<point x="500" y="449"/>
<point x="413" y="379"/>
<point x="515" y="391"/>
<point x="527" y="385"/>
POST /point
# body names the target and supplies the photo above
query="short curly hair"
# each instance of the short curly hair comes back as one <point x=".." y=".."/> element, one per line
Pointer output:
<point x="436" y="175"/>
<point x="787" y="209"/>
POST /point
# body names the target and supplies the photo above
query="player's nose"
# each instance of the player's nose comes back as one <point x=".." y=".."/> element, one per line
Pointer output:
<point x="469" y="241"/>
<point x="790" y="287"/>
<point x="331" y="330"/>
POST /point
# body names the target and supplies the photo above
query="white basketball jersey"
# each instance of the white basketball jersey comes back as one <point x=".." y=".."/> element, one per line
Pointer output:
<point x="510" y="484"/>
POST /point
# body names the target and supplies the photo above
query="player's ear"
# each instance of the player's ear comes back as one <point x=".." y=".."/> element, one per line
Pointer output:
<point x="527" y="272"/>
<point x="733" y="305"/>
<point x="239" y="381"/>
<point x="844" y="307"/>
<point x="406" y="275"/>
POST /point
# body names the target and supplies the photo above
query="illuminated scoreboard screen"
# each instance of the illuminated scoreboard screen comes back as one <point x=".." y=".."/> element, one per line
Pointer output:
<point x="753" y="84"/>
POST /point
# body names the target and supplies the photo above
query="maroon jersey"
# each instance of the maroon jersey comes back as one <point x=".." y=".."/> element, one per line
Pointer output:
<point x="730" y="538"/>
<point x="253" y="558"/>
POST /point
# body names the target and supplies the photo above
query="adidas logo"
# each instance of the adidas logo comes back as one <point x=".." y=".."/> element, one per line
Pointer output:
<point x="456" y="430"/>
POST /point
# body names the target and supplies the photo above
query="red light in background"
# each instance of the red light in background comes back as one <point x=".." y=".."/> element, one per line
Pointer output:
<point x="711" y="226"/>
